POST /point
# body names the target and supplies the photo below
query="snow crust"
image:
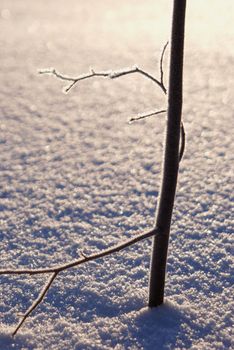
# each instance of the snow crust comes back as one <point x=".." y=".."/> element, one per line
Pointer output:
<point x="76" y="176"/>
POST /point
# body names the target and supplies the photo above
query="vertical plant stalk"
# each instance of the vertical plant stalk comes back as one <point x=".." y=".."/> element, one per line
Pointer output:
<point x="171" y="158"/>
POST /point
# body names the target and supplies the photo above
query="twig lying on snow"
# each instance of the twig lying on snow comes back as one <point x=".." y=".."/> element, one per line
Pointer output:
<point x="54" y="271"/>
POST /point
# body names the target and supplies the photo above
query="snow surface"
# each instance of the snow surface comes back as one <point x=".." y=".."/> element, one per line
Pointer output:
<point x="75" y="176"/>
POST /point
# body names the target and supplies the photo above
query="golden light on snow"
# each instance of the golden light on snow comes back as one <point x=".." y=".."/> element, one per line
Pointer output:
<point x="75" y="175"/>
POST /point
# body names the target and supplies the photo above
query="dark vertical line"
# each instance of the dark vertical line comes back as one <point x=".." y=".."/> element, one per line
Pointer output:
<point x="171" y="157"/>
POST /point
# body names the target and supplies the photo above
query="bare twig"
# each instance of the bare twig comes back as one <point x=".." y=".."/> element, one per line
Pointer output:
<point x="182" y="131"/>
<point x="110" y="74"/>
<point x="36" y="302"/>
<point x="161" y="65"/>
<point x="146" y="115"/>
<point x="54" y="271"/>
<point x="182" y="141"/>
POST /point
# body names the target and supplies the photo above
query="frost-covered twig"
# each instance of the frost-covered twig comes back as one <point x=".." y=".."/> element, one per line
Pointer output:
<point x="110" y="74"/>
<point x="54" y="271"/>
<point x="36" y="302"/>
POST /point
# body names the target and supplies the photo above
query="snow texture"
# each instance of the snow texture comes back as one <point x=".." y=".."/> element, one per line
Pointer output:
<point x="76" y="176"/>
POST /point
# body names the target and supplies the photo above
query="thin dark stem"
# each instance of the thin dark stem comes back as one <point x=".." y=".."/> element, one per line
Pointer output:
<point x="171" y="158"/>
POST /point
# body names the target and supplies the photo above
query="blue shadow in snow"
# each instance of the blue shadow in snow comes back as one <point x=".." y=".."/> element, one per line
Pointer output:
<point x="165" y="327"/>
<point x="7" y="342"/>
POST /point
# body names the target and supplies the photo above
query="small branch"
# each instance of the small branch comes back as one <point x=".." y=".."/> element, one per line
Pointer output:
<point x="57" y="269"/>
<point x="146" y="115"/>
<point x="105" y="74"/>
<point x="161" y="65"/>
<point x="182" y="141"/>
<point x="182" y="131"/>
<point x="83" y="254"/>
<point x="80" y="261"/>
<point x="135" y="69"/>
<point x="36" y="302"/>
